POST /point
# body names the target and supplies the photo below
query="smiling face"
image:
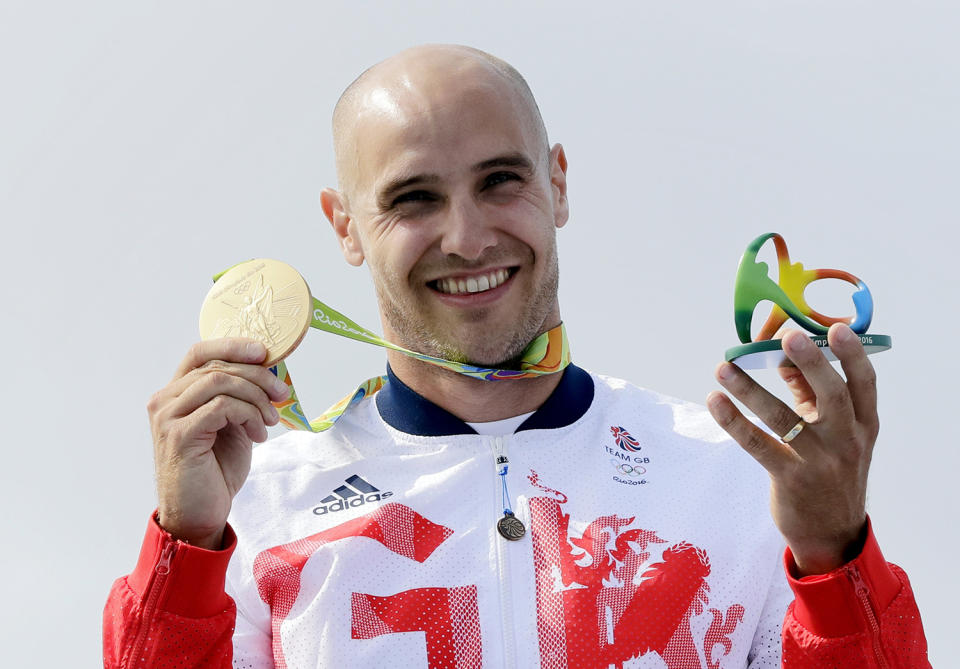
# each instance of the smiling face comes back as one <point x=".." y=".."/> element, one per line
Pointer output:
<point x="453" y="199"/>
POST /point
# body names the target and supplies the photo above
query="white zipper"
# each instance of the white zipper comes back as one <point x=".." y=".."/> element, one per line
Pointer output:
<point x="503" y="572"/>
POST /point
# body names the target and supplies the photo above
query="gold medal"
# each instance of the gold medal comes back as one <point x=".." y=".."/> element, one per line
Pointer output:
<point x="262" y="299"/>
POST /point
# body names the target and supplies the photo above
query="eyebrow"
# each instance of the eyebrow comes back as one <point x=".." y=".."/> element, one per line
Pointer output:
<point x="508" y="160"/>
<point x="394" y="186"/>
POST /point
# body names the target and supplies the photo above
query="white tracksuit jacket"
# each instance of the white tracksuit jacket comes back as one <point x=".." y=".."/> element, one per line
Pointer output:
<point x="648" y="540"/>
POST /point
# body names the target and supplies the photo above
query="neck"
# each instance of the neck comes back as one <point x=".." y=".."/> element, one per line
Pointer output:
<point x="471" y="399"/>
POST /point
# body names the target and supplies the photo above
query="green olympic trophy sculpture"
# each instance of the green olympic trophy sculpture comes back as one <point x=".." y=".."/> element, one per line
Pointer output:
<point x="754" y="285"/>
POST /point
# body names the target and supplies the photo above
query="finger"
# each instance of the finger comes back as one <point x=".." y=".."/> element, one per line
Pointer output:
<point x="833" y="398"/>
<point x="222" y="411"/>
<point x="166" y="403"/>
<point x="261" y="377"/>
<point x="804" y="399"/>
<point x="861" y="377"/>
<point x="219" y="382"/>
<point x="773" y="455"/>
<point x="229" y="349"/>
<point x="775" y="414"/>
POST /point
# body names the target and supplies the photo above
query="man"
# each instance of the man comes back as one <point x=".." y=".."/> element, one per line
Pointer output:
<point x="561" y="520"/>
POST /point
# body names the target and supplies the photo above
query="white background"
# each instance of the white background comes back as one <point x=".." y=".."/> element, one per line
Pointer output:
<point x="146" y="145"/>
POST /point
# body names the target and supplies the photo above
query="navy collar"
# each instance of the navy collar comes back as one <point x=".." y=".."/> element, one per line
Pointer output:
<point x="405" y="410"/>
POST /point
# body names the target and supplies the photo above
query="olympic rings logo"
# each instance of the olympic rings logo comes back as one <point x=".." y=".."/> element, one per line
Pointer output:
<point x="627" y="469"/>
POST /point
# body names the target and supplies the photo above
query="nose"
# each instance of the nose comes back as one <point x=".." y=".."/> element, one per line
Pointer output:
<point x="467" y="230"/>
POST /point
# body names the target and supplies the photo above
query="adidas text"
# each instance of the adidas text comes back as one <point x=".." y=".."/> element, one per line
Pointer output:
<point x="341" y="504"/>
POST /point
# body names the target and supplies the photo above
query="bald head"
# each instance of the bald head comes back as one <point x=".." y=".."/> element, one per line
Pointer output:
<point x="416" y="81"/>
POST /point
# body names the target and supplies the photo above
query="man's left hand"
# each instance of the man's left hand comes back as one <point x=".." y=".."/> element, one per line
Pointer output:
<point x="819" y="479"/>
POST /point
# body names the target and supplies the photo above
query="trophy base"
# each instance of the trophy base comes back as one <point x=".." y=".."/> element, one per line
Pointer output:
<point x="769" y="353"/>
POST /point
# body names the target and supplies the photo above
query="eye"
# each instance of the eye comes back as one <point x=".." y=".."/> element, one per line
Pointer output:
<point x="497" y="178"/>
<point x="416" y="196"/>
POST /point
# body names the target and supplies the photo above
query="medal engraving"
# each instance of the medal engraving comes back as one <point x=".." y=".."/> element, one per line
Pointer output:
<point x="510" y="527"/>
<point x="263" y="299"/>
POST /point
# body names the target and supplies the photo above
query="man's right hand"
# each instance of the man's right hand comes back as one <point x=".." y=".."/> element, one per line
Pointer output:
<point x="204" y="423"/>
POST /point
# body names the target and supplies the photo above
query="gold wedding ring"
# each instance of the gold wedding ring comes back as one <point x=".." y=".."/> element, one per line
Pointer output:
<point x="262" y="299"/>
<point x="794" y="431"/>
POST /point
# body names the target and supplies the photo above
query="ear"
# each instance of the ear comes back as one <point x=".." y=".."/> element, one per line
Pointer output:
<point x="344" y="227"/>
<point x="558" y="180"/>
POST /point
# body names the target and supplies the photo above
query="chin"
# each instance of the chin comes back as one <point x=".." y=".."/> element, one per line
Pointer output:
<point x="477" y="342"/>
<point x="506" y="356"/>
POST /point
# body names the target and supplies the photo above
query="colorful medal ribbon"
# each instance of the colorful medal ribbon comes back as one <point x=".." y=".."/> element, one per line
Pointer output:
<point x="547" y="354"/>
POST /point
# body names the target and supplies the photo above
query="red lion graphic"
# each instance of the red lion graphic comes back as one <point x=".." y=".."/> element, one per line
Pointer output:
<point x="592" y="610"/>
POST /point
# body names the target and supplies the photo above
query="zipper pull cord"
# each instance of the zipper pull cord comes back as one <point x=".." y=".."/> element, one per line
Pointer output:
<point x="504" y="494"/>
<point x="509" y="526"/>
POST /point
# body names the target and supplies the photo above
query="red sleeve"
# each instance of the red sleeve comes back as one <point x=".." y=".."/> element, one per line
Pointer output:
<point x="862" y="614"/>
<point x="172" y="610"/>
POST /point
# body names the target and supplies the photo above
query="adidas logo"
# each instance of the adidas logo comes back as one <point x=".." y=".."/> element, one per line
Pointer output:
<point x="355" y="492"/>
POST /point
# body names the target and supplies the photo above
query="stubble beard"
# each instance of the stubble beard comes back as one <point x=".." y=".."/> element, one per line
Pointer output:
<point x="501" y="349"/>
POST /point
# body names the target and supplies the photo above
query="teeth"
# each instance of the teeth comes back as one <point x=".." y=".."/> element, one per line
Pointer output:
<point x="478" y="284"/>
